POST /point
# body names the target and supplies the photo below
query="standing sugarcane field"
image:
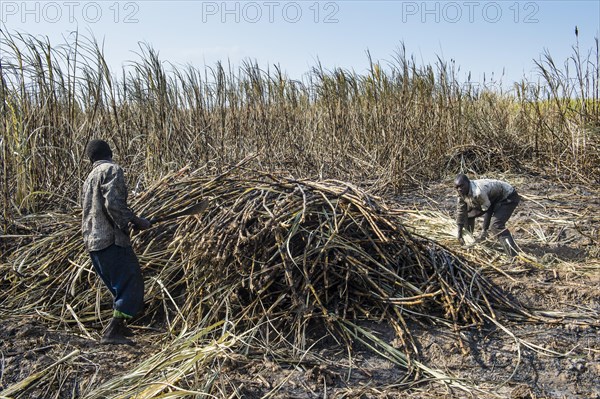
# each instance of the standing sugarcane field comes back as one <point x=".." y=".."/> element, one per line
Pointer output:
<point x="393" y="232"/>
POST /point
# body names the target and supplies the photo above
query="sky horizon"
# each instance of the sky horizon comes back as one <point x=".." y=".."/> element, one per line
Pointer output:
<point x="491" y="39"/>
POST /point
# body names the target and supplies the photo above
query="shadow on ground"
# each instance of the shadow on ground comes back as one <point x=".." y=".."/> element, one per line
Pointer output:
<point x="559" y="252"/>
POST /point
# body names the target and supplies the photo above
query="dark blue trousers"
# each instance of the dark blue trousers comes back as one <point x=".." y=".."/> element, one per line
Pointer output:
<point x="119" y="269"/>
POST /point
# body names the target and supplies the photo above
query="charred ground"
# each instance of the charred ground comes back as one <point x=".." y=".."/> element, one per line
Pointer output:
<point x="556" y="226"/>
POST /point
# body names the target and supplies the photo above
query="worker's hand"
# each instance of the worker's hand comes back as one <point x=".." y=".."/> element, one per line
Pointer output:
<point x="141" y="223"/>
<point x="459" y="235"/>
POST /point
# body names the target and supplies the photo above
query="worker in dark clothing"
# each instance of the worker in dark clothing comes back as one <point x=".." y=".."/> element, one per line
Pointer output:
<point x="495" y="200"/>
<point x="105" y="225"/>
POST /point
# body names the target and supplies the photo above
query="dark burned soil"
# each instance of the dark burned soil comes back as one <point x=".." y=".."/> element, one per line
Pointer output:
<point x="556" y="225"/>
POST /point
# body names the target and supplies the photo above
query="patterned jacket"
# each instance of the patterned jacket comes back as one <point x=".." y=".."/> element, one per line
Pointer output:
<point x="106" y="215"/>
<point x="483" y="195"/>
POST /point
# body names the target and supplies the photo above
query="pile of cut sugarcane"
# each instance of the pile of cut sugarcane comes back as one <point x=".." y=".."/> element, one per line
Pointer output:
<point x="270" y="257"/>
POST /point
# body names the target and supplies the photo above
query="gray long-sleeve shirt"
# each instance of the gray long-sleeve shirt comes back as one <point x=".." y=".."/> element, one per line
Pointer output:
<point x="482" y="195"/>
<point x="106" y="215"/>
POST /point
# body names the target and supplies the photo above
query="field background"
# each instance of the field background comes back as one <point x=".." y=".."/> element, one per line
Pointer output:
<point x="400" y="125"/>
<point x="394" y="137"/>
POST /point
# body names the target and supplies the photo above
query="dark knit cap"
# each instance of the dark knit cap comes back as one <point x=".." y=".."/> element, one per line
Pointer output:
<point x="461" y="180"/>
<point x="98" y="149"/>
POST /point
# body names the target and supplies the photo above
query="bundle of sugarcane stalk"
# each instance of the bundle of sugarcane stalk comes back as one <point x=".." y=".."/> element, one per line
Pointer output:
<point x="271" y="255"/>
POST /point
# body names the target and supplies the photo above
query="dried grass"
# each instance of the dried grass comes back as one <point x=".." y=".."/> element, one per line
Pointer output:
<point x="272" y="260"/>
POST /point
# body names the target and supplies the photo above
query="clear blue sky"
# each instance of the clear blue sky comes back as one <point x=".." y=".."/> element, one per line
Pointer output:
<point x="481" y="36"/>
